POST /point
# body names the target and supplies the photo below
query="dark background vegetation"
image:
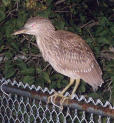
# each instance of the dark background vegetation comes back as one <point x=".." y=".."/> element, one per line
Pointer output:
<point x="20" y="58"/>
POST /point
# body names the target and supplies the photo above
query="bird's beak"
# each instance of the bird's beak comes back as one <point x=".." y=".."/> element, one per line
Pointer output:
<point x="20" y="31"/>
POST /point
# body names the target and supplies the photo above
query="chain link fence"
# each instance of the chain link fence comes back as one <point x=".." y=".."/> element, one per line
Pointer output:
<point x="21" y="103"/>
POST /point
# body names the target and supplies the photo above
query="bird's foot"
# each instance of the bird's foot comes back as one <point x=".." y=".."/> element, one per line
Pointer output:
<point x="53" y="98"/>
<point x="65" y="99"/>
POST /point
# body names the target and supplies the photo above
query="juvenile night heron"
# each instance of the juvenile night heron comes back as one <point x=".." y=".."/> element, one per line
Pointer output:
<point x="67" y="52"/>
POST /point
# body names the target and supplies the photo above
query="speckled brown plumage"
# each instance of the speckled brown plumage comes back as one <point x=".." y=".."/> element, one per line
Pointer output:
<point x="67" y="52"/>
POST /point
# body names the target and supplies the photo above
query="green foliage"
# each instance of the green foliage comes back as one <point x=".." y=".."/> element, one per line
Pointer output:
<point x="6" y="2"/>
<point x="28" y="79"/>
<point x="72" y="15"/>
<point x="44" y="75"/>
<point x="9" y="69"/>
<point x="2" y="14"/>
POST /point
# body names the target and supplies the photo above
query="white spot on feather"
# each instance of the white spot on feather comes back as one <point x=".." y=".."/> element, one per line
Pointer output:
<point x="89" y="69"/>
<point x="85" y="71"/>
<point x="92" y="65"/>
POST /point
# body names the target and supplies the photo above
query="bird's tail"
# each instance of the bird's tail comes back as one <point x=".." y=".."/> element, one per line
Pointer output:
<point x="94" y="77"/>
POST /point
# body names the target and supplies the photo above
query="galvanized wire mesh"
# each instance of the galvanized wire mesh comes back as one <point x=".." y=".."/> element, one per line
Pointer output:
<point x="21" y="108"/>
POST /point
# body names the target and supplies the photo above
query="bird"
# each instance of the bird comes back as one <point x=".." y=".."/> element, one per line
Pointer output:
<point x="67" y="52"/>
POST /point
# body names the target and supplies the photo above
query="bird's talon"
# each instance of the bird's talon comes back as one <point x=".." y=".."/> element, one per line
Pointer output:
<point x="64" y="99"/>
<point x="52" y="97"/>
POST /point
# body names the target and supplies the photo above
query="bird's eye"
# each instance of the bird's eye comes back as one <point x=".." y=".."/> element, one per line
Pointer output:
<point x="33" y="25"/>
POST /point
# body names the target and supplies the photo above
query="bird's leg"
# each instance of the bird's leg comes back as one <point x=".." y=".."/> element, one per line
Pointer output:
<point x="67" y="87"/>
<point x="54" y="96"/>
<point x="75" y="87"/>
<point x="74" y="90"/>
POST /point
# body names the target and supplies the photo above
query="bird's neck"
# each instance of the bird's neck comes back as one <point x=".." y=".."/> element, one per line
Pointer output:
<point x="45" y="42"/>
<point x="45" y="37"/>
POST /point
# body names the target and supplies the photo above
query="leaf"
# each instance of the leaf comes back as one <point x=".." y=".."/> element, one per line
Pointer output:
<point x="15" y="45"/>
<point x="103" y="21"/>
<point x="8" y="54"/>
<point x="49" y="2"/>
<point x="6" y="2"/>
<point x="78" y="30"/>
<point x="112" y="29"/>
<point x="22" y="16"/>
<point x="9" y="69"/>
<point x="28" y="71"/>
<point x="103" y="40"/>
<point x="9" y="73"/>
<point x="58" y="84"/>
<point x="8" y="29"/>
<point x="39" y="70"/>
<point x="59" y="24"/>
<point x="46" y="77"/>
<point x="28" y="79"/>
<point x="44" y="13"/>
<point x="58" y="77"/>
<point x="20" y="63"/>
<point x="2" y="15"/>
<point x="82" y="87"/>
<point x="83" y="18"/>
<point x="2" y="48"/>
<point x="103" y="33"/>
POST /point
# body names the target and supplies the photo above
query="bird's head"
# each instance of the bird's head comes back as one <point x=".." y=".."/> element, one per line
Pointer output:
<point x="35" y="26"/>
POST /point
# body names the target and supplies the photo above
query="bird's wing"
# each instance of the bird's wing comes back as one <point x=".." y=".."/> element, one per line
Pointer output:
<point x="77" y="57"/>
